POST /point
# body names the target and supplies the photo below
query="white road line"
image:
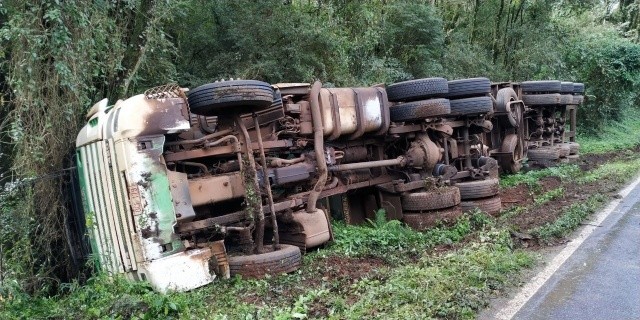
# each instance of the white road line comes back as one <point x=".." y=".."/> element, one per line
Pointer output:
<point x="534" y="285"/>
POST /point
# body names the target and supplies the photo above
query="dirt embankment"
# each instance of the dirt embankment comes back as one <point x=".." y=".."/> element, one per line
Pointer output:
<point x="534" y="216"/>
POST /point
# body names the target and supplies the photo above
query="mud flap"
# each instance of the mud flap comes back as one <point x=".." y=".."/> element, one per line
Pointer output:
<point x="305" y="230"/>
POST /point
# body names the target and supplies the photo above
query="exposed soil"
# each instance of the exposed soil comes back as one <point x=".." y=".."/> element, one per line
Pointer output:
<point x="519" y="195"/>
<point x="333" y="273"/>
<point x="339" y="274"/>
<point x="538" y="215"/>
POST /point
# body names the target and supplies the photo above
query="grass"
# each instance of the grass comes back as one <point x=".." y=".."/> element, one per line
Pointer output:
<point x="571" y="218"/>
<point x="618" y="171"/>
<point x="548" y="196"/>
<point x="454" y="284"/>
<point x="408" y="277"/>
<point x="617" y="135"/>
<point x="392" y="240"/>
<point x="532" y="178"/>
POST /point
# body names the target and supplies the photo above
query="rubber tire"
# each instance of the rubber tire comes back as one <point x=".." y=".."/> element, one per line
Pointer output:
<point x="285" y="260"/>
<point x="431" y="200"/>
<point x="510" y="144"/>
<point x="235" y="96"/>
<point x="419" y="110"/>
<point x="566" y="99"/>
<point x="277" y="99"/>
<point x="578" y="87"/>
<point x="478" y="188"/>
<point x="464" y="88"/>
<point x="551" y="86"/>
<point x="418" y="89"/>
<point x="566" y="87"/>
<point x="551" y="99"/>
<point x="563" y="149"/>
<point x="471" y="106"/>
<point x="490" y="205"/>
<point x="504" y="96"/>
<point x="425" y="220"/>
<point x="574" y="148"/>
<point x="543" y="154"/>
<point x="577" y="99"/>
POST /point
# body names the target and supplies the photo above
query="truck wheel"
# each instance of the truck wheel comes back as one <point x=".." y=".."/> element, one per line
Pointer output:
<point x="573" y="158"/>
<point x="543" y="153"/>
<point x="563" y="150"/>
<point x="237" y="96"/>
<point x="566" y="87"/>
<point x="551" y="86"/>
<point x="566" y="99"/>
<point x="550" y="99"/>
<point x="491" y="205"/>
<point x="578" y="87"/>
<point x="418" y="89"/>
<point x="503" y="97"/>
<point x="464" y="88"/>
<point x="285" y="260"/>
<point x="511" y="144"/>
<point x="574" y="147"/>
<point x="478" y="188"/>
<point x="431" y="200"/>
<point x="277" y="99"/>
<point x="471" y="106"/>
<point x="578" y="100"/>
<point x="425" y="220"/>
<point x="419" y="110"/>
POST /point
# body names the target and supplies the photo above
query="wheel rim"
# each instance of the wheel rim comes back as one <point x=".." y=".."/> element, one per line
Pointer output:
<point x="512" y="144"/>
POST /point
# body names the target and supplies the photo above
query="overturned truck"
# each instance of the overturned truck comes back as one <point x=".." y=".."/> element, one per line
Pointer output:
<point x="240" y="177"/>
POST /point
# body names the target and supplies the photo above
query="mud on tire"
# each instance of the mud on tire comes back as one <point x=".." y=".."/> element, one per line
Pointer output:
<point x="490" y="205"/>
<point x="478" y="188"/>
<point x="471" y="106"/>
<point x="285" y="260"/>
<point x="419" y="110"/>
<point x="574" y="148"/>
<point x="424" y="220"/>
<point x="543" y="154"/>
<point x="578" y="99"/>
<point x="431" y="200"/>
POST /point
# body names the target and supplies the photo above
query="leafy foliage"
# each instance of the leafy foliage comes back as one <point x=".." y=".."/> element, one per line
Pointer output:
<point x="60" y="57"/>
<point x="392" y="239"/>
<point x="57" y="58"/>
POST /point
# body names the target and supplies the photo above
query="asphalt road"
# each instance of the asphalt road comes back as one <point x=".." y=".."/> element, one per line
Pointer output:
<point x="601" y="279"/>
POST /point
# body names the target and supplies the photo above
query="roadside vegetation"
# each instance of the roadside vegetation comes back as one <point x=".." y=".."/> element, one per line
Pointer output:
<point x="58" y="58"/>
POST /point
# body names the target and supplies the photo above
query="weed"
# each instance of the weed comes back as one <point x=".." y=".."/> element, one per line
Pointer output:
<point x="532" y="178"/>
<point x="453" y="286"/>
<point x="619" y="171"/>
<point x="511" y="212"/>
<point x="390" y="240"/>
<point x="549" y="195"/>
<point x="616" y="136"/>
<point x="570" y="219"/>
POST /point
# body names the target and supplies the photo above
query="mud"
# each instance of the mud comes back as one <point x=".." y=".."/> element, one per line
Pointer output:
<point x="538" y="215"/>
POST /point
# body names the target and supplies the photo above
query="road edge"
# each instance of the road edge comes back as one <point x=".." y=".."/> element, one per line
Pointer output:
<point x="521" y="298"/>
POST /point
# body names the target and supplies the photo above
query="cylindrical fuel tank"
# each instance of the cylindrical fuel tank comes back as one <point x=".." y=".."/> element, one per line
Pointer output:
<point x="352" y="112"/>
